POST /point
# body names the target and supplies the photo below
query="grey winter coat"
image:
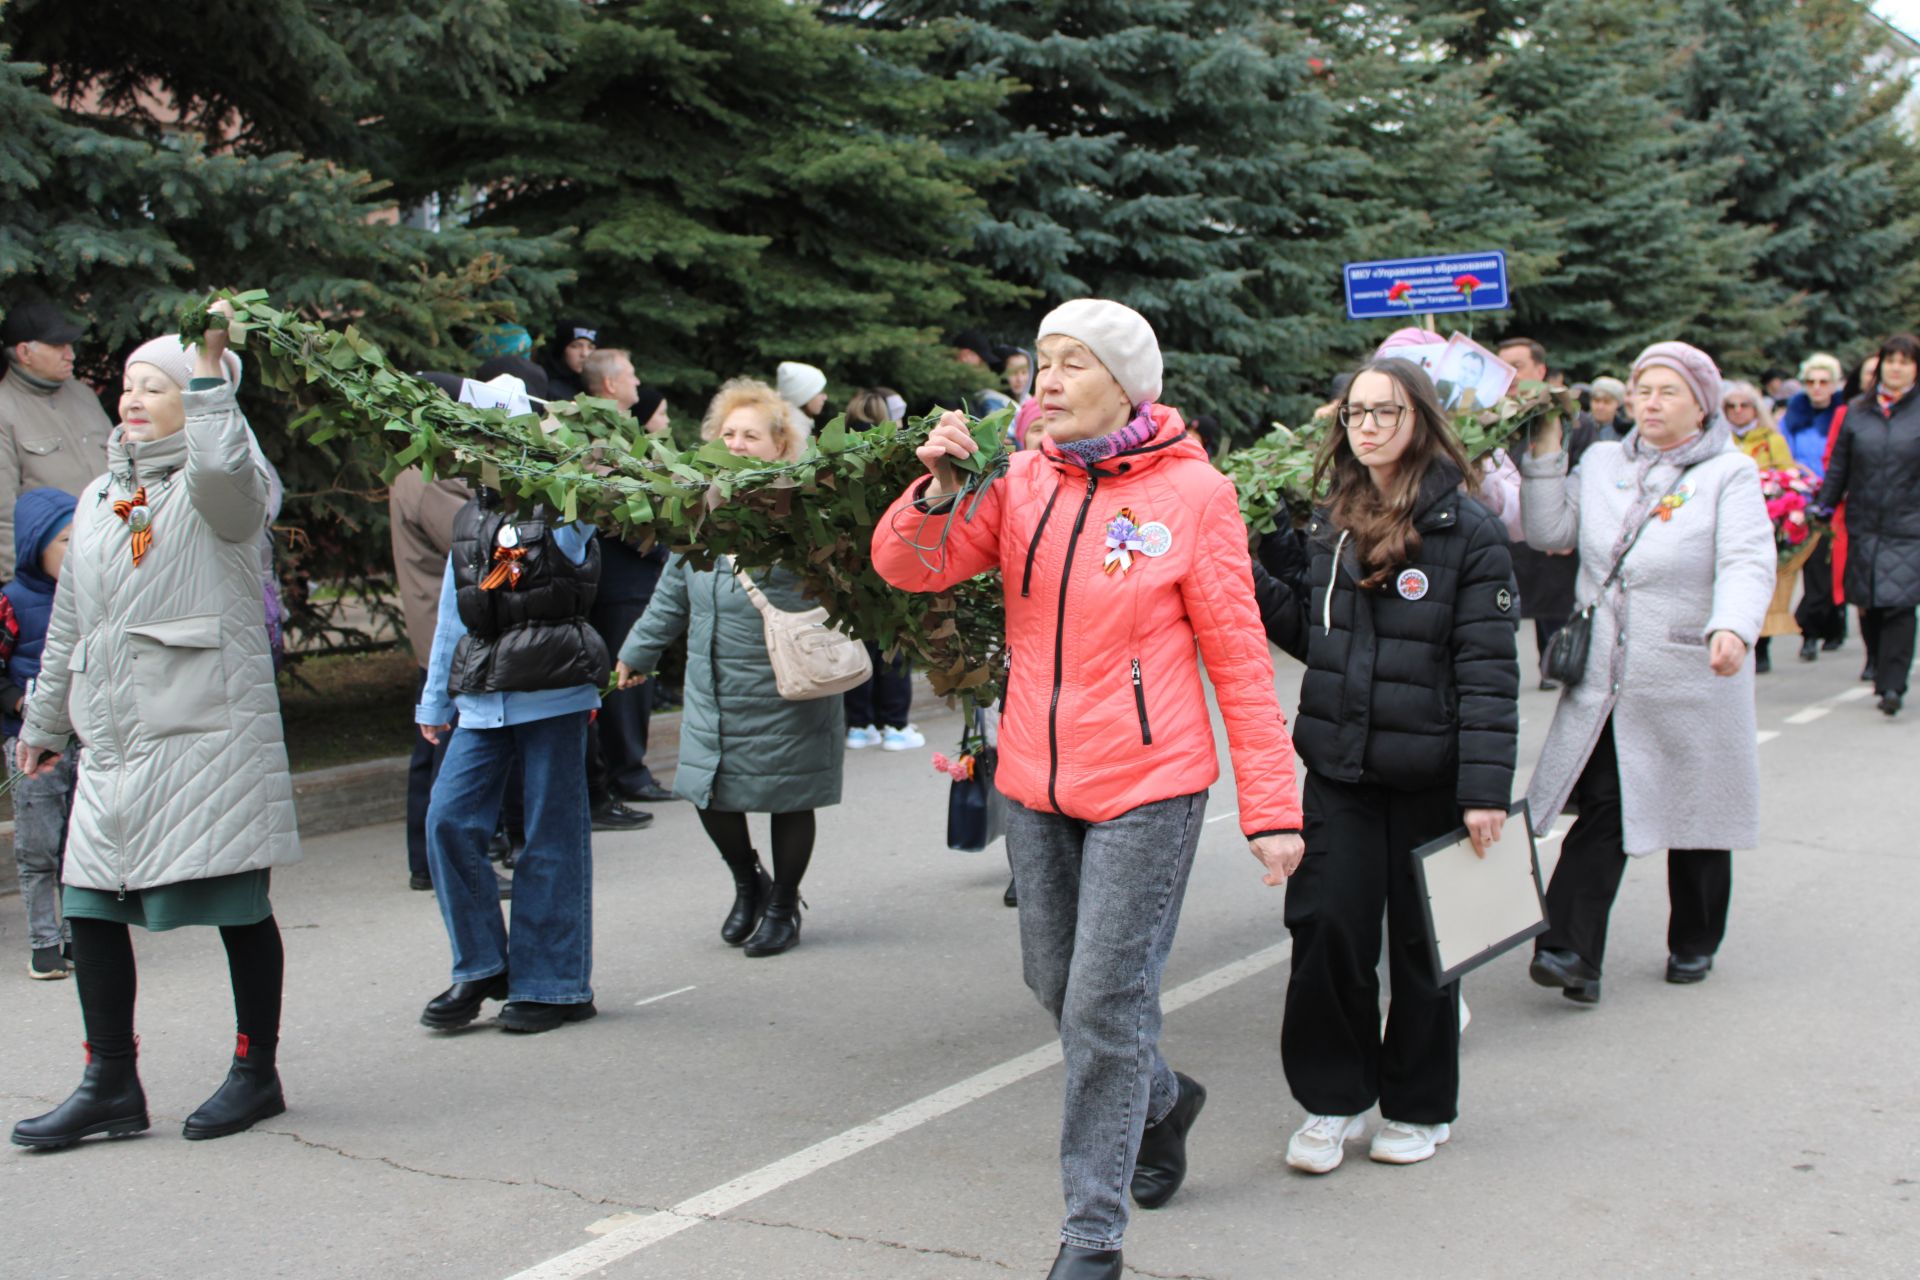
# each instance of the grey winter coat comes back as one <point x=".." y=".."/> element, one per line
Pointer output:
<point x="162" y="669"/>
<point x="1875" y="468"/>
<point x="1689" y="765"/>
<point x="743" y="747"/>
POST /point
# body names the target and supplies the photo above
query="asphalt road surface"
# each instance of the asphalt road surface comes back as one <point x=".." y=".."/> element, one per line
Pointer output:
<point x="884" y="1101"/>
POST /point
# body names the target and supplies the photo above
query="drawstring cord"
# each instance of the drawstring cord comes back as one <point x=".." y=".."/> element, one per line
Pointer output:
<point x="1326" y="606"/>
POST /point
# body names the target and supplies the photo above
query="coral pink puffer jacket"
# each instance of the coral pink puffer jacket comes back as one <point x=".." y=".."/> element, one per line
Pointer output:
<point x="1105" y="709"/>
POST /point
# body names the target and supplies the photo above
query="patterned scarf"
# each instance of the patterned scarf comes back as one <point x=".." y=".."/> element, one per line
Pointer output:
<point x="1090" y="453"/>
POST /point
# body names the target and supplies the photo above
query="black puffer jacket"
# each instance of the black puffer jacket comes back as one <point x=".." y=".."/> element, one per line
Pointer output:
<point x="1413" y="685"/>
<point x="1875" y="466"/>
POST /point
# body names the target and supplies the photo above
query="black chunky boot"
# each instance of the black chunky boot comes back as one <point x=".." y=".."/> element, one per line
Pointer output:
<point x="1161" y="1165"/>
<point x="109" y="1100"/>
<point x="780" y="927"/>
<point x="250" y="1094"/>
<point x="751" y="892"/>
<point x="1077" y="1263"/>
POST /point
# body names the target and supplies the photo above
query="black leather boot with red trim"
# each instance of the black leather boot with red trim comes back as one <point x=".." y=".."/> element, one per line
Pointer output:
<point x="250" y="1094"/>
<point x="109" y="1100"/>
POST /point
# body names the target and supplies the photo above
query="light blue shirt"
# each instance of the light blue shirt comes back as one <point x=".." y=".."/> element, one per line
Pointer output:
<point x="496" y="710"/>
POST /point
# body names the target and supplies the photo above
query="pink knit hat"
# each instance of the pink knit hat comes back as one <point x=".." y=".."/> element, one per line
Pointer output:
<point x="1702" y="375"/>
<point x="1411" y="336"/>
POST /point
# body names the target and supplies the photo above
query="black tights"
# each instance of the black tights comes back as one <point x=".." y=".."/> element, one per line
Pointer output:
<point x="103" y="969"/>
<point x="792" y="842"/>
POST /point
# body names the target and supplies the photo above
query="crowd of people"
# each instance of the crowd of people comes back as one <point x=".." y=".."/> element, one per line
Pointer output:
<point x="1630" y="526"/>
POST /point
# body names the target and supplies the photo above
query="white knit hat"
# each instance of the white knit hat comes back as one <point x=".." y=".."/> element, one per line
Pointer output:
<point x="176" y="361"/>
<point x="1119" y="337"/>
<point x="799" y="383"/>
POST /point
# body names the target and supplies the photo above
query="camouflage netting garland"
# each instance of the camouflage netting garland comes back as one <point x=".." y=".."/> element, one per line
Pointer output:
<point x="813" y="517"/>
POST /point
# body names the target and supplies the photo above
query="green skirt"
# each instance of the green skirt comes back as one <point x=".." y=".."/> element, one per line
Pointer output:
<point x="237" y="899"/>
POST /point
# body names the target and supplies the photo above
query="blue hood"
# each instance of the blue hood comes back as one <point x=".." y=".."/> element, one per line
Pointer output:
<point x="38" y="517"/>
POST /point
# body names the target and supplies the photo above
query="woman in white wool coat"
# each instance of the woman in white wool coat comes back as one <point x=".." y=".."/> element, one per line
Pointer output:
<point x="1656" y="744"/>
<point x="157" y="659"/>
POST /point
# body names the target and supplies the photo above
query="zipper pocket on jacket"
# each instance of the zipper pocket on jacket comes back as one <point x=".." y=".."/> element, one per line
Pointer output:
<point x="1039" y="531"/>
<point x="1140" y="703"/>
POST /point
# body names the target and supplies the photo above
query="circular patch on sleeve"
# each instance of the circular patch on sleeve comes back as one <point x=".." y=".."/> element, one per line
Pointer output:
<point x="1155" y="539"/>
<point x="1412" y="584"/>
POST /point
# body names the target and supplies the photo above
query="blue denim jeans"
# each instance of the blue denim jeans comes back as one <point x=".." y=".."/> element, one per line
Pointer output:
<point x="1099" y="903"/>
<point x="40" y="810"/>
<point x="549" y="953"/>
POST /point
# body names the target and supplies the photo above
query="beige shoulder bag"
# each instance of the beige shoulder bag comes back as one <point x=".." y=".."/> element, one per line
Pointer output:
<point x="810" y="659"/>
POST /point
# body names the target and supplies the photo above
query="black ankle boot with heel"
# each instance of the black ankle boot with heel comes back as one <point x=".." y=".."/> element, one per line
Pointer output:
<point x="752" y="890"/>
<point x="109" y="1100"/>
<point x="250" y="1094"/>
<point x="780" y="927"/>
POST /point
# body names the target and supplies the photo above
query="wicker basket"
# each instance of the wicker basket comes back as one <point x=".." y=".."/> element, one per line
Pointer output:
<point x="1780" y="613"/>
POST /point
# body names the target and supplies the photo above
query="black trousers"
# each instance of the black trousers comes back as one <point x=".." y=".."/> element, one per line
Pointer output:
<point x="886" y="699"/>
<point x="1817" y="616"/>
<point x="1359" y="865"/>
<point x="1592" y="863"/>
<point x="617" y="738"/>
<point x="1889" y="634"/>
<point x="423" y="766"/>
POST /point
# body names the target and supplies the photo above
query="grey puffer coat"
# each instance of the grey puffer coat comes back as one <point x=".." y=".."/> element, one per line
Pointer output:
<point x="1875" y="467"/>
<point x="743" y="747"/>
<point x="1689" y="764"/>
<point x="163" y="670"/>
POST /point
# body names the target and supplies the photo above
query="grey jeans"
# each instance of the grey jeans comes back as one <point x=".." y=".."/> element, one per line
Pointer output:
<point x="40" y="809"/>
<point x="1099" y="902"/>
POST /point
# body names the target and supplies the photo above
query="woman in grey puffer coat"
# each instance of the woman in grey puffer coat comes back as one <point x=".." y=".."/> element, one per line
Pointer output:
<point x="157" y="659"/>
<point x="1656" y="743"/>
<point x="744" y="748"/>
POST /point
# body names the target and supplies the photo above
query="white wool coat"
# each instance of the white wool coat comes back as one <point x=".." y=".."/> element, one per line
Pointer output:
<point x="1689" y="763"/>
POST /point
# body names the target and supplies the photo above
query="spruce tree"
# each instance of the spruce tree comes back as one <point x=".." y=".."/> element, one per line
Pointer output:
<point x="751" y="185"/>
<point x="1181" y="156"/>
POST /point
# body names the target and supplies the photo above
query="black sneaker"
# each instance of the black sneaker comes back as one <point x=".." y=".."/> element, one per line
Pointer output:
<point x="1890" y="703"/>
<point x="611" y="815"/>
<point x="48" y="965"/>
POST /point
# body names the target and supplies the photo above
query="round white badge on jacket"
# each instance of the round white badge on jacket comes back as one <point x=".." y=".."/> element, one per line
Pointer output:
<point x="1412" y="585"/>
<point x="1155" y="539"/>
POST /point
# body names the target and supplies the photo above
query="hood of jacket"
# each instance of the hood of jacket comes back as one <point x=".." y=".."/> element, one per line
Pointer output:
<point x="38" y="517"/>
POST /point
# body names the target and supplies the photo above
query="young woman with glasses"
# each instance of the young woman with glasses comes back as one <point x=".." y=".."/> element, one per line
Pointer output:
<point x="1405" y="616"/>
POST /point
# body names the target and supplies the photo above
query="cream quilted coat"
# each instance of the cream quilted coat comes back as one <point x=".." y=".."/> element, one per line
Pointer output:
<point x="163" y="670"/>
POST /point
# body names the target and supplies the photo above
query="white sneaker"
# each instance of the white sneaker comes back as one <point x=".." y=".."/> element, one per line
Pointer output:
<point x="1401" y="1143"/>
<point x="904" y="739"/>
<point x="861" y="739"/>
<point x="1320" y="1144"/>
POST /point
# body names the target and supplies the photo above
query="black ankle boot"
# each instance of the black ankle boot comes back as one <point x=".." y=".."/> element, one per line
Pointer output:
<point x="250" y="1094"/>
<point x="1162" y="1163"/>
<point x="109" y="1100"/>
<point x="780" y="927"/>
<point x="751" y="890"/>
<point x="1077" y="1263"/>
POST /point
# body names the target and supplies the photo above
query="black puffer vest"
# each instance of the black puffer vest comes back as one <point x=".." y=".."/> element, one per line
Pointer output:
<point x="529" y="631"/>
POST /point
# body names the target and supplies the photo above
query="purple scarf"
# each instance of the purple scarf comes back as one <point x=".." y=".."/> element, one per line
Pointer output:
<point x="1090" y="453"/>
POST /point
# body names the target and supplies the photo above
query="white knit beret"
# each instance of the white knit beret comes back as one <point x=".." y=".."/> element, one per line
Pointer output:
<point x="1119" y="337"/>
<point x="799" y="383"/>
<point x="166" y="354"/>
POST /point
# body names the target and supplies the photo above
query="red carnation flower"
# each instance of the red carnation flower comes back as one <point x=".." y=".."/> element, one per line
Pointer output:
<point x="1316" y="65"/>
<point x="1398" y="290"/>
<point x="1466" y="283"/>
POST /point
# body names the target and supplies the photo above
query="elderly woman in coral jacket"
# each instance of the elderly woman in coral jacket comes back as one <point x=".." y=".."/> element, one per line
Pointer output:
<point x="1119" y="547"/>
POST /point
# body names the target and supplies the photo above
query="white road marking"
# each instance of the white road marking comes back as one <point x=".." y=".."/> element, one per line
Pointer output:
<point x="677" y="992"/>
<point x="626" y="1234"/>
<point x="1807" y="715"/>
<point x="1765" y="736"/>
<point x="1854" y="694"/>
<point x="1222" y="818"/>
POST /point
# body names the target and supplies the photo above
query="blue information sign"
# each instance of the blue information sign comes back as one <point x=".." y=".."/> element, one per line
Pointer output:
<point x="1430" y="285"/>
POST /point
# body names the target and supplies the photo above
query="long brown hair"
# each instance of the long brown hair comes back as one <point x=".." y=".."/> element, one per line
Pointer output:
<point x="1380" y="524"/>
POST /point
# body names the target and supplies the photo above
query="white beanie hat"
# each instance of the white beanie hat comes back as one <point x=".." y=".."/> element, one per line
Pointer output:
<point x="800" y="383"/>
<point x="177" y="361"/>
<point x="1119" y="337"/>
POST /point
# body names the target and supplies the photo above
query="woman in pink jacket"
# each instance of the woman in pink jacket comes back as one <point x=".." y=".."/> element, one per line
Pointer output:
<point x="1119" y="547"/>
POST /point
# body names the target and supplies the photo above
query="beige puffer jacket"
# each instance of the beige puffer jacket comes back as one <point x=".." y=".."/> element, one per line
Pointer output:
<point x="163" y="670"/>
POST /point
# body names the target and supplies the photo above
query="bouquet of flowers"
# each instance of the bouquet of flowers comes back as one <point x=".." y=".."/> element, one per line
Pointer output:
<point x="1790" y="496"/>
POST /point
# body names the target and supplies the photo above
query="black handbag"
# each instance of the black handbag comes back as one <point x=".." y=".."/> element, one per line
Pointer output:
<point x="976" y="811"/>
<point x="1566" y="657"/>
